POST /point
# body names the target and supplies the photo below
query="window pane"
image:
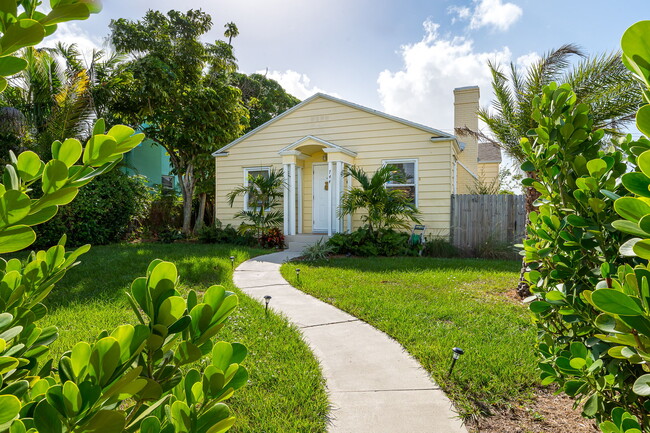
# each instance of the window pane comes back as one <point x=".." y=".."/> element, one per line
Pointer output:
<point x="406" y="172"/>
<point x="409" y="191"/>
<point x="256" y="173"/>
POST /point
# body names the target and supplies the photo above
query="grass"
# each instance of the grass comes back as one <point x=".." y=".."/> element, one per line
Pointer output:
<point x="286" y="390"/>
<point x="433" y="305"/>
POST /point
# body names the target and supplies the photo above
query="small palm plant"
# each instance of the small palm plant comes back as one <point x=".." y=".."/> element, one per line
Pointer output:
<point x="385" y="208"/>
<point x="263" y="195"/>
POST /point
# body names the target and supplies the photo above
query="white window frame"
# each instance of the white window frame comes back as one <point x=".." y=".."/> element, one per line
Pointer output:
<point x="247" y="170"/>
<point x="416" y="178"/>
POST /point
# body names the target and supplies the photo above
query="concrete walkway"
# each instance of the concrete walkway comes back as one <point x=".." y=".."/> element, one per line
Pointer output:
<point x="374" y="386"/>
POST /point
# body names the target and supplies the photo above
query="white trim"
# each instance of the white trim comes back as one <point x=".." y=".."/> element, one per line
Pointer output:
<point x="300" y="192"/>
<point x="340" y="101"/>
<point x="496" y="161"/>
<point x="416" y="179"/>
<point x="246" y="171"/>
<point x="292" y="199"/>
<point x="339" y="195"/>
<point x="349" y="215"/>
<point x="468" y="170"/>
<point x="455" y="176"/>
<point x="285" y="198"/>
<point x="329" y="147"/>
<point x="330" y="166"/>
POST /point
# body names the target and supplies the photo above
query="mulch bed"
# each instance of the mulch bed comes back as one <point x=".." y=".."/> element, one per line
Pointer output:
<point x="547" y="413"/>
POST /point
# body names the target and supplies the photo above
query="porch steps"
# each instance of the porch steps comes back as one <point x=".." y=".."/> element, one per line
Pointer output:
<point x="297" y="243"/>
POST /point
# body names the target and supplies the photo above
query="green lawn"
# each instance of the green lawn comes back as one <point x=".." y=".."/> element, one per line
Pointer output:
<point x="286" y="391"/>
<point x="432" y="305"/>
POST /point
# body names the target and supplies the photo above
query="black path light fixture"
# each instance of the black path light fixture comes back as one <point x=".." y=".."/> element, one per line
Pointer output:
<point x="298" y="274"/>
<point x="232" y="262"/>
<point x="457" y="352"/>
<point x="267" y="299"/>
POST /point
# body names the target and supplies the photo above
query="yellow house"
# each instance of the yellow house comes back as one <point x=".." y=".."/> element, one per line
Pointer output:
<point x="315" y="141"/>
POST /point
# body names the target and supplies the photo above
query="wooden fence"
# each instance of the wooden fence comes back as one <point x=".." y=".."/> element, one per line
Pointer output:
<point x="483" y="222"/>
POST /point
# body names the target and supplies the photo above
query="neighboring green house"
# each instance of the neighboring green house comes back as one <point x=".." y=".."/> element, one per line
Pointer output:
<point x="151" y="161"/>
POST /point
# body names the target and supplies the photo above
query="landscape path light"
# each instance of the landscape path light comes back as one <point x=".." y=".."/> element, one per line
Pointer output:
<point x="457" y="352"/>
<point x="267" y="299"/>
<point x="232" y="262"/>
<point x="298" y="274"/>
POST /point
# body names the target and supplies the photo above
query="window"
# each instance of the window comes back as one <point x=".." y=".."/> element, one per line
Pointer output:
<point x="249" y="173"/>
<point x="408" y="175"/>
<point x="167" y="182"/>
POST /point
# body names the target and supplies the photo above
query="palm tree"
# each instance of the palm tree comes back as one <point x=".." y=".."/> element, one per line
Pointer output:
<point x="231" y="31"/>
<point x="384" y="207"/>
<point x="602" y="81"/>
<point x="263" y="194"/>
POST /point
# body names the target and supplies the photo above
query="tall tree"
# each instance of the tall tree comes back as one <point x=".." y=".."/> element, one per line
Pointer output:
<point x="56" y="101"/>
<point x="231" y="32"/>
<point x="601" y="81"/>
<point x="264" y="97"/>
<point x="175" y="88"/>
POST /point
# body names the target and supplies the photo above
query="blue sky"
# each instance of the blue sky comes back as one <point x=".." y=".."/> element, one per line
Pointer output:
<point x="403" y="57"/>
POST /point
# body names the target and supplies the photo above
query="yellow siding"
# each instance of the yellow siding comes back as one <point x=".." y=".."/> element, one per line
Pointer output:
<point x="488" y="172"/>
<point x="373" y="138"/>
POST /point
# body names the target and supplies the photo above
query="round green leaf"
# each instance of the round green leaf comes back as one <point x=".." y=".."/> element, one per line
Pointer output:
<point x="16" y="238"/>
<point x="615" y="302"/>
<point x="29" y="165"/>
<point x="642" y="385"/>
<point x="637" y="183"/>
<point x="104" y="421"/>
<point x="14" y="206"/>
<point x="170" y="310"/>
<point x="643" y="160"/>
<point x="46" y="418"/>
<point x="11" y="65"/>
<point x="9" y="408"/>
<point x="642" y="249"/>
<point x="22" y="33"/>
<point x="630" y="228"/>
<point x="55" y="175"/>
<point x="150" y="425"/>
<point x="596" y="167"/>
<point x="636" y="50"/>
<point x="70" y="151"/>
<point x="631" y="208"/>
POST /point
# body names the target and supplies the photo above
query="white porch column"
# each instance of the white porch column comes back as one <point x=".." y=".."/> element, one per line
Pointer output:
<point x="329" y="197"/>
<point x="339" y="195"/>
<point x="299" y="178"/>
<point x="285" y="217"/>
<point x="349" y="215"/>
<point x="292" y="198"/>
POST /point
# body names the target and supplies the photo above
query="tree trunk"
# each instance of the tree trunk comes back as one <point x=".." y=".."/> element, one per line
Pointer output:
<point x="523" y="289"/>
<point x="187" y="187"/>
<point x="198" y="225"/>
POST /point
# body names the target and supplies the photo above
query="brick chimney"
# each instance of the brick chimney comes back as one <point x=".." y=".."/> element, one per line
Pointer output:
<point x="466" y="105"/>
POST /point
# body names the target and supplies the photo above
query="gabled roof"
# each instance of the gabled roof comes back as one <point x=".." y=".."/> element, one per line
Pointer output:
<point x="340" y="101"/>
<point x="325" y="143"/>
<point x="488" y="152"/>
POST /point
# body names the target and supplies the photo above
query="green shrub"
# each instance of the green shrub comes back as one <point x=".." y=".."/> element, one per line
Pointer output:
<point x="272" y="238"/>
<point x="320" y="250"/>
<point x="363" y="242"/>
<point x="588" y="253"/>
<point x="216" y="234"/>
<point x="438" y="246"/>
<point x="166" y="212"/>
<point x="112" y="208"/>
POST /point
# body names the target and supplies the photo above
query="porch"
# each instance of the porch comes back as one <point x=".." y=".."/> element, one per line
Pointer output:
<point x="314" y="185"/>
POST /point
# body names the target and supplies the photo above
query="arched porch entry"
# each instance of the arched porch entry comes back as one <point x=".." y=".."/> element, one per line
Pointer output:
<point x="314" y="185"/>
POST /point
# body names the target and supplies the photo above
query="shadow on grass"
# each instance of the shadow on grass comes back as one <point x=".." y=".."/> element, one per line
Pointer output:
<point x="415" y="264"/>
<point x="105" y="272"/>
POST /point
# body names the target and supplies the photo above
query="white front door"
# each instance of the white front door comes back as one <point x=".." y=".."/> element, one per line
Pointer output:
<point x="319" y="198"/>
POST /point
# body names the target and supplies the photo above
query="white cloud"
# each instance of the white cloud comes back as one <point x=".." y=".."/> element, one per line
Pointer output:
<point x="72" y="33"/>
<point x="423" y="89"/>
<point x="526" y="60"/>
<point x="488" y="13"/>
<point x="295" y="83"/>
